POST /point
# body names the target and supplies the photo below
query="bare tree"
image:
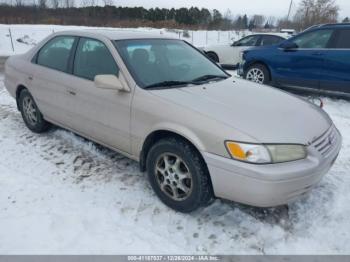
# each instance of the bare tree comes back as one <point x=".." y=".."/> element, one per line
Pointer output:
<point x="19" y="2"/>
<point x="259" y="20"/>
<point x="42" y="3"/>
<point x="88" y="2"/>
<point x="108" y="2"/>
<point x="313" y="12"/>
<point x="55" y="3"/>
<point x="68" y="3"/>
<point x="272" y="21"/>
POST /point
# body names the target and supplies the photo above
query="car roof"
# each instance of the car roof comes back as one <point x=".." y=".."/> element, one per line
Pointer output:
<point x="114" y="34"/>
<point x="282" y="35"/>
<point x="330" y="26"/>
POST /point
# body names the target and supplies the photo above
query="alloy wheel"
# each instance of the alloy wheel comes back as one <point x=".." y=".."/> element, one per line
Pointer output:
<point x="29" y="110"/>
<point x="256" y="75"/>
<point x="173" y="176"/>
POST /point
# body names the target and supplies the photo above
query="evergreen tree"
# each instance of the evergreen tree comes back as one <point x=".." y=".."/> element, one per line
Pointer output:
<point x="245" y="22"/>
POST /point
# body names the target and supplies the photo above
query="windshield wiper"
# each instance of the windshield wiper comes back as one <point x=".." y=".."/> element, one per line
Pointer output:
<point x="196" y="81"/>
<point x="168" y="84"/>
<point x="207" y="78"/>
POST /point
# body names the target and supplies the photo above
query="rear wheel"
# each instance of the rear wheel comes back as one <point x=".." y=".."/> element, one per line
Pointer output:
<point x="178" y="175"/>
<point x="214" y="57"/>
<point x="30" y="113"/>
<point x="258" y="73"/>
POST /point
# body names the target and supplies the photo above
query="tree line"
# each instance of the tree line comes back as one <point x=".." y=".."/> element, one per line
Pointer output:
<point x="92" y="13"/>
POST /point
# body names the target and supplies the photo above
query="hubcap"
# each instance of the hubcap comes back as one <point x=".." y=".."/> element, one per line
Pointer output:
<point x="173" y="177"/>
<point x="256" y="75"/>
<point x="29" y="110"/>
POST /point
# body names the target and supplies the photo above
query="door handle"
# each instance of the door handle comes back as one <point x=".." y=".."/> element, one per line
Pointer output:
<point x="71" y="92"/>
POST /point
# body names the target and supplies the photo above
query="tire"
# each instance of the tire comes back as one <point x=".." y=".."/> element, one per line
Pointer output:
<point x="258" y="73"/>
<point x="190" y="173"/>
<point x="214" y="57"/>
<point x="31" y="115"/>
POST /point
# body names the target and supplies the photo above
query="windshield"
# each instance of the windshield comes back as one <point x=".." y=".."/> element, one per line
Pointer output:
<point x="154" y="62"/>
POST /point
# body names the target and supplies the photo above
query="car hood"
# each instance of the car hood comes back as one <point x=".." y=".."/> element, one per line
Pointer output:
<point x="264" y="113"/>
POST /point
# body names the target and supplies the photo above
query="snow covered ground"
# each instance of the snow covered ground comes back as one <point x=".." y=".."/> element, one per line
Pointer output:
<point x="25" y="36"/>
<point x="61" y="194"/>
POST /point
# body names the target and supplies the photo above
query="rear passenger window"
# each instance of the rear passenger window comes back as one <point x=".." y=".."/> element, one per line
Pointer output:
<point x="93" y="58"/>
<point x="55" y="54"/>
<point x="271" y="40"/>
<point x="343" y="39"/>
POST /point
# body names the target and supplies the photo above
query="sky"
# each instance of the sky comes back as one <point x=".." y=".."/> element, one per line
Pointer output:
<point x="278" y="8"/>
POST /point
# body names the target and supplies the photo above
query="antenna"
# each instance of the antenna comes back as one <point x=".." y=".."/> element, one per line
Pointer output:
<point x="290" y="9"/>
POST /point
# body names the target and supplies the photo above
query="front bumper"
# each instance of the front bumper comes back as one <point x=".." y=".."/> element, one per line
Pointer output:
<point x="273" y="184"/>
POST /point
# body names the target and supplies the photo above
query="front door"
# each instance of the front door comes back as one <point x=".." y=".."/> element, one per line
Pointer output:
<point x="103" y="115"/>
<point x="302" y="66"/>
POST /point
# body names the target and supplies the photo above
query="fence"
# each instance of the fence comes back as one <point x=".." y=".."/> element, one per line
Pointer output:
<point x="15" y="39"/>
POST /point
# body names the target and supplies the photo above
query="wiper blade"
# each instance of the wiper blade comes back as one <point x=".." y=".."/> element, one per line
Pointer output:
<point x="168" y="84"/>
<point x="208" y="77"/>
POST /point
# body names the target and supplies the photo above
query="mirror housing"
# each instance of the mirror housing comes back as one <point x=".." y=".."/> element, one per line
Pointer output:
<point x="288" y="45"/>
<point x="110" y="82"/>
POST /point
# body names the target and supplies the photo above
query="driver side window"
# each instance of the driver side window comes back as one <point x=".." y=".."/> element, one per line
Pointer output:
<point x="315" y="39"/>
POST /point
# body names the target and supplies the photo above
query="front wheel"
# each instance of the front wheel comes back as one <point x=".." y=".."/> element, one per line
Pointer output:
<point x="258" y="73"/>
<point x="178" y="175"/>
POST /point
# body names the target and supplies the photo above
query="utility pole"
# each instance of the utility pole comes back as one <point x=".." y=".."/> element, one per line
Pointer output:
<point x="290" y="9"/>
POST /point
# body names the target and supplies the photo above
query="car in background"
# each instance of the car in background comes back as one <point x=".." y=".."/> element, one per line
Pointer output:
<point x="316" y="60"/>
<point x="288" y="31"/>
<point x="230" y="55"/>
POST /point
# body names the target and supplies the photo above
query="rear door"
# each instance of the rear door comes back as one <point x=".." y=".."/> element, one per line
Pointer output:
<point x="336" y="72"/>
<point x="50" y="80"/>
<point x="301" y="67"/>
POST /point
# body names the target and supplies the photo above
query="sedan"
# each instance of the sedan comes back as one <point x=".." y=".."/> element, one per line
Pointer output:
<point x="198" y="132"/>
<point x="230" y="55"/>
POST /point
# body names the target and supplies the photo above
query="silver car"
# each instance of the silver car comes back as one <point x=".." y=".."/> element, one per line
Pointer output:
<point x="198" y="132"/>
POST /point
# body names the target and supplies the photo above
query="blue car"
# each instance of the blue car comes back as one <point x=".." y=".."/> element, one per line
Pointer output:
<point x="316" y="60"/>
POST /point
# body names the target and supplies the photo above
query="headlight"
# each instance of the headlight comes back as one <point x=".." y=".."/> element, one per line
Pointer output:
<point x="285" y="153"/>
<point x="265" y="154"/>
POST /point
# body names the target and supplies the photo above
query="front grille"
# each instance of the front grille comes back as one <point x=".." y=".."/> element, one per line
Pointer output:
<point x="326" y="142"/>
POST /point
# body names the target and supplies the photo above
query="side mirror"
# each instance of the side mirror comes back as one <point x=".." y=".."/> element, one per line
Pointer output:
<point x="287" y="46"/>
<point x="110" y="82"/>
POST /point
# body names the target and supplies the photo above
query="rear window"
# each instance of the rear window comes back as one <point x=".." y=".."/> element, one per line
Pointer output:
<point x="343" y="39"/>
<point x="55" y="53"/>
<point x="271" y="40"/>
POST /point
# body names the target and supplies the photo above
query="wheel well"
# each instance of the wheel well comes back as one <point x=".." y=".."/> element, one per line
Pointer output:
<point x="20" y="88"/>
<point x="260" y="63"/>
<point x="154" y="138"/>
<point x="162" y="134"/>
